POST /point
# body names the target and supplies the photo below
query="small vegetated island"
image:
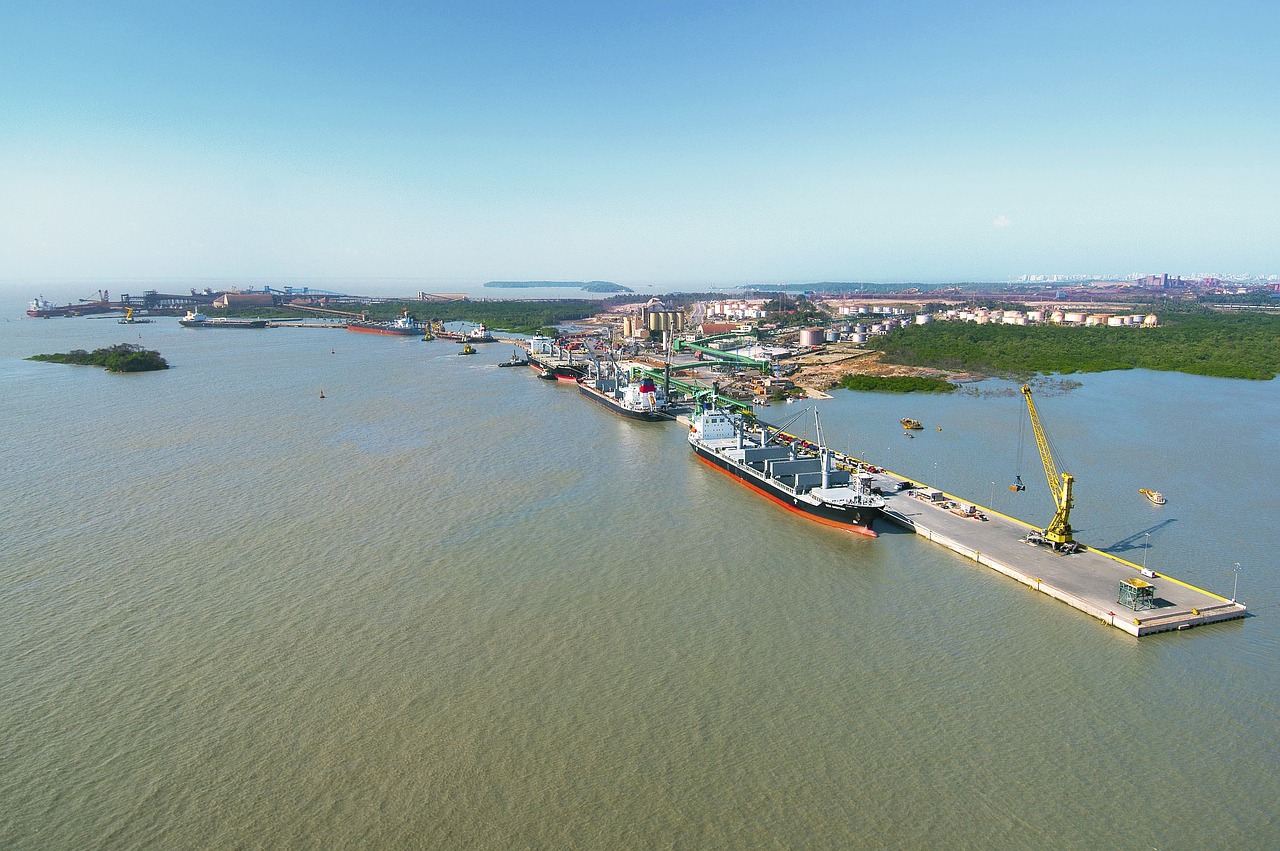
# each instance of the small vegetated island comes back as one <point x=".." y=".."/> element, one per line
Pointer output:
<point x="586" y="286"/>
<point x="123" y="357"/>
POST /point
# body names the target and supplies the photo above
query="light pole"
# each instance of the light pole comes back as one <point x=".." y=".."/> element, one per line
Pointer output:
<point x="993" y="494"/>
<point x="1235" y="582"/>
<point x="1146" y="543"/>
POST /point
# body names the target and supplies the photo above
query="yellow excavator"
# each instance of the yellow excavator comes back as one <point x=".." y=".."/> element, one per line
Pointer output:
<point x="1057" y="535"/>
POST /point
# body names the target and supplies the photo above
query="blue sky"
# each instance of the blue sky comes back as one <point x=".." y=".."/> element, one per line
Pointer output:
<point x="677" y="143"/>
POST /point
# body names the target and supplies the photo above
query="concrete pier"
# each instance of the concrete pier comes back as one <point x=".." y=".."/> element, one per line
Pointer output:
<point x="1088" y="580"/>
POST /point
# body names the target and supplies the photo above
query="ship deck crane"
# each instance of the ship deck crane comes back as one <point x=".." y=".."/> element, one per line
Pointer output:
<point x="1057" y="535"/>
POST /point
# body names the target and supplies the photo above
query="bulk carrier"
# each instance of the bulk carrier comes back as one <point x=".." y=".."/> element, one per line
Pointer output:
<point x="792" y="475"/>
<point x="609" y="386"/>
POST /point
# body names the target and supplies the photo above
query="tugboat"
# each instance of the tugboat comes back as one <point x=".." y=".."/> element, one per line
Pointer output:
<point x="792" y="476"/>
<point x="468" y="349"/>
<point x="515" y="360"/>
<point x="1155" y="496"/>
<point x="909" y="423"/>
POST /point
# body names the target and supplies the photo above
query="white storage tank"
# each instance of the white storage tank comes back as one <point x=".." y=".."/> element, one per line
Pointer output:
<point x="812" y="337"/>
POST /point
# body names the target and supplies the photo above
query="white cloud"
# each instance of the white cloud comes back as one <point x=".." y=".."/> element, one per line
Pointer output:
<point x="1002" y="221"/>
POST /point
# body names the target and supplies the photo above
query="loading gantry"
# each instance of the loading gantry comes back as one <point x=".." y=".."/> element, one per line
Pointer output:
<point x="1057" y="534"/>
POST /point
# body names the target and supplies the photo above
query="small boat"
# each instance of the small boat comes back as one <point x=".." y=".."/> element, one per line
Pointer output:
<point x="468" y="349"/>
<point x="547" y="374"/>
<point x="515" y="360"/>
<point x="907" y="422"/>
<point x="1155" y="496"/>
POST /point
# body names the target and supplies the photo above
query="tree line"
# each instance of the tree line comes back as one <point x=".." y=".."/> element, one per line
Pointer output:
<point x="1234" y="346"/>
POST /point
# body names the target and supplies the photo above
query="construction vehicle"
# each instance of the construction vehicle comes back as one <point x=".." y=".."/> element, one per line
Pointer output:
<point x="1057" y="535"/>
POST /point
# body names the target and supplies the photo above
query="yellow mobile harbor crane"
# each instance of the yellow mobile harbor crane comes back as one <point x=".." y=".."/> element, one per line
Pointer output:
<point x="1057" y="535"/>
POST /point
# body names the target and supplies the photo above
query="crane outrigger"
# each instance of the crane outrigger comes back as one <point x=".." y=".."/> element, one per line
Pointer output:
<point x="1057" y="535"/>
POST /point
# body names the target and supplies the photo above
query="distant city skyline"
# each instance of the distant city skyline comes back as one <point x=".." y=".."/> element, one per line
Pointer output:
<point x="673" y="144"/>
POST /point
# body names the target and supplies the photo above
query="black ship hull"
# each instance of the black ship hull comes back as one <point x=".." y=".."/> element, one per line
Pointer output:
<point x="617" y="408"/>
<point x="853" y="518"/>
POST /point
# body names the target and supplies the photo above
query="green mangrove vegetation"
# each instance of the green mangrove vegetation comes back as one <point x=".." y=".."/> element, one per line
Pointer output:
<point x="1192" y="341"/>
<point x="588" y="286"/>
<point x="123" y="357"/>
<point x="896" y="384"/>
<point x="521" y="317"/>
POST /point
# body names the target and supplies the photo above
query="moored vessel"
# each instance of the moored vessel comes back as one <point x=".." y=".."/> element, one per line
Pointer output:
<point x="42" y="308"/>
<point x="402" y="326"/>
<point x="195" y="319"/>
<point x="793" y="476"/>
<point x="478" y="334"/>
<point x="642" y="400"/>
<point x="548" y="357"/>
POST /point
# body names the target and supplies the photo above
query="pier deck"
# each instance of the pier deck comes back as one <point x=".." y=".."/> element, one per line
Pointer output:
<point x="1088" y="580"/>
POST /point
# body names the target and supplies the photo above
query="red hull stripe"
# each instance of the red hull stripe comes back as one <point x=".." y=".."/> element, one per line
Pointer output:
<point x="861" y="530"/>
<point x="382" y="331"/>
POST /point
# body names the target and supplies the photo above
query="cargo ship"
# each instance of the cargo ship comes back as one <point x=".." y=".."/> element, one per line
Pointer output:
<point x="403" y="326"/>
<point x="195" y="319"/>
<point x="791" y="476"/>
<point x="642" y="400"/>
<point x="552" y="362"/>
<point x="478" y="334"/>
<point x="42" y="308"/>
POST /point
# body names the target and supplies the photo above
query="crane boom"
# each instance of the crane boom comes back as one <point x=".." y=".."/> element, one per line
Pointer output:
<point x="1058" y="532"/>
